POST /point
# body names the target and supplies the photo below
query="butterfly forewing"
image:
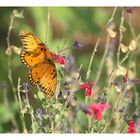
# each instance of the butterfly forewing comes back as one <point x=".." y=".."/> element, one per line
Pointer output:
<point x="34" y="51"/>
<point x="30" y="42"/>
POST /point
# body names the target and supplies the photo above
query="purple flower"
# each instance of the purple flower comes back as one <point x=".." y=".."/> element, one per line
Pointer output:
<point x="76" y="44"/>
<point x="130" y="10"/>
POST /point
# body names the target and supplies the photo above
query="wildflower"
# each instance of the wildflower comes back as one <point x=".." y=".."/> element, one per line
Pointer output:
<point x="58" y="58"/>
<point x="76" y="44"/>
<point x="95" y="110"/>
<point x="134" y="81"/>
<point x="130" y="10"/>
<point x="25" y="86"/>
<point x="125" y="79"/>
<point x="131" y="127"/>
<point x="38" y="113"/>
<point x="87" y="88"/>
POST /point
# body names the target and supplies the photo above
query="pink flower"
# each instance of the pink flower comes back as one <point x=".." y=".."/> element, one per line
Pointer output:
<point x="134" y="81"/>
<point x="87" y="88"/>
<point x="130" y="9"/>
<point x="125" y="79"/>
<point x="131" y="127"/>
<point x="58" y="58"/>
<point x="95" y="110"/>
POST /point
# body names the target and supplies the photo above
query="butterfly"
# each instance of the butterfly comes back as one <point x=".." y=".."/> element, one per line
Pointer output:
<point x="37" y="57"/>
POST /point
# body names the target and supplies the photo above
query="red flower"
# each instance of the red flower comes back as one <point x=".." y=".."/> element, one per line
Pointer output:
<point x="130" y="10"/>
<point x="95" y="110"/>
<point x="131" y="127"/>
<point x="125" y="79"/>
<point x="134" y="81"/>
<point x="87" y="88"/>
<point x="58" y="58"/>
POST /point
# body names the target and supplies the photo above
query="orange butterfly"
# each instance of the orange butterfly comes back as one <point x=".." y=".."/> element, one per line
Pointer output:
<point x="37" y="57"/>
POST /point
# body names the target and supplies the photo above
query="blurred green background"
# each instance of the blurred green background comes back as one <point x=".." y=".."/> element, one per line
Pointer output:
<point x="82" y="24"/>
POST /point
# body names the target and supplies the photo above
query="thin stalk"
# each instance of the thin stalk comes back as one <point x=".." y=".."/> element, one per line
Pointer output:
<point x="48" y="25"/>
<point x="20" y="106"/>
<point x="131" y="26"/>
<point x="31" y="112"/>
<point x="102" y="60"/>
<point x="10" y="53"/>
<point x="97" y="43"/>
<point x="121" y="28"/>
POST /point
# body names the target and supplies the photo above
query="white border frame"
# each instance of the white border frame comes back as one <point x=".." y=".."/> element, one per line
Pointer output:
<point x="74" y="3"/>
<point x="70" y="136"/>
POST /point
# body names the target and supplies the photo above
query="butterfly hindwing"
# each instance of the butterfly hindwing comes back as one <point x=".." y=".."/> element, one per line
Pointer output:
<point x="48" y="82"/>
<point x="44" y="75"/>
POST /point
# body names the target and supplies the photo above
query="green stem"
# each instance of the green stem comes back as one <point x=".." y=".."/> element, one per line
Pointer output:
<point x="20" y="105"/>
<point x="121" y="28"/>
<point x="102" y="60"/>
<point x="97" y="43"/>
<point x="10" y="53"/>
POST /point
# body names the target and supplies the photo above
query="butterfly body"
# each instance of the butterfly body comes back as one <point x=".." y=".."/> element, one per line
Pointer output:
<point x="37" y="57"/>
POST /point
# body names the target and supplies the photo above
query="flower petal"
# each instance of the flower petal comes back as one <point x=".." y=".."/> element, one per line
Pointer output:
<point x="131" y="127"/>
<point x="58" y="58"/>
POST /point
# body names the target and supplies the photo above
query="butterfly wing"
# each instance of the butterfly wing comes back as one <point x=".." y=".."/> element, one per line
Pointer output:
<point x="44" y="75"/>
<point x="34" y="51"/>
<point x="30" y="59"/>
<point x="30" y="42"/>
